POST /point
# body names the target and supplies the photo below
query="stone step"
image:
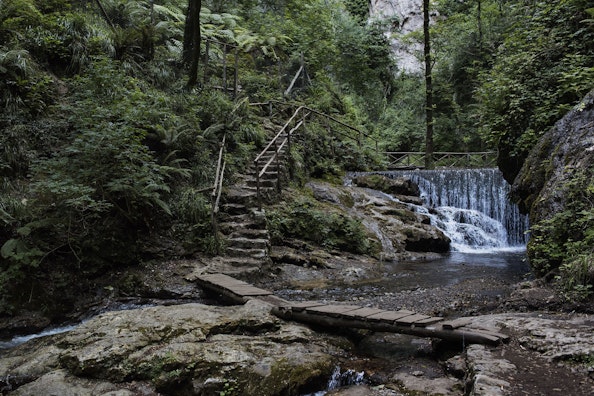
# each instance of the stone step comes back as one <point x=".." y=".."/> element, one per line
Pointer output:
<point x="244" y="194"/>
<point x="239" y="231"/>
<point x="228" y="228"/>
<point x="251" y="217"/>
<point x="271" y="183"/>
<point x="247" y="243"/>
<point x="234" y="208"/>
<point x="248" y="262"/>
<point x="242" y="252"/>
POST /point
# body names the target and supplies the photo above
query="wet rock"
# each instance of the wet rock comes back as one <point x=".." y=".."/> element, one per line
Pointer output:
<point x="486" y="372"/>
<point x="193" y="348"/>
<point x="396" y="186"/>
<point x="428" y="386"/>
<point x="60" y="382"/>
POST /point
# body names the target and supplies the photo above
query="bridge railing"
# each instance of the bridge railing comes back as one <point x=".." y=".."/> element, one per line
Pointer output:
<point x="441" y="159"/>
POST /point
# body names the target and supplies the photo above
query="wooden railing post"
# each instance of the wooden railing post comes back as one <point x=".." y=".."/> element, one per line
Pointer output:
<point x="235" y="75"/>
<point x="206" y="63"/>
<point x="215" y="196"/>
<point x="225" y="68"/>
<point x="278" y="172"/>
<point x="258" y="194"/>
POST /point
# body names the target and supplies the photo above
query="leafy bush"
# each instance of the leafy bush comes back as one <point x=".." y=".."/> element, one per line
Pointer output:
<point x="563" y="243"/>
<point x="309" y="220"/>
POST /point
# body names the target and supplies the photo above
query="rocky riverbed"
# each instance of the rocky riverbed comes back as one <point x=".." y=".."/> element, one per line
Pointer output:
<point x="205" y="349"/>
<point x="152" y="331"/>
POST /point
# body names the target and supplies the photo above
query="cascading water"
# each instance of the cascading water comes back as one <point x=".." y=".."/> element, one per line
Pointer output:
<point x="470" y="206"/>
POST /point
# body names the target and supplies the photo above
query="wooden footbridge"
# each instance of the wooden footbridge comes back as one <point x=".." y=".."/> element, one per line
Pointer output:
<point x="353" y="316"/>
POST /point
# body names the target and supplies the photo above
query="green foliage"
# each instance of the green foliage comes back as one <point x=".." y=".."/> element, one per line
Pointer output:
<point x="23" y="89"/>
<point x="359" y="9"/>
<point x="541" y="69"/>
<point x="563" y="243"/>
<point x="309" y="220"/>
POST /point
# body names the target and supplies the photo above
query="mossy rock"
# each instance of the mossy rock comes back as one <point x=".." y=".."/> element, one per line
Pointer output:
<point x="396" y="186"/>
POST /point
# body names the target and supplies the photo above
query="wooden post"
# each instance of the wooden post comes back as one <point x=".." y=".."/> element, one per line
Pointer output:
<point x="258" y="194"/>
<point x="225" y="67"/>
<point x="236" y="72"/>
<point x="302" y="60"/>
<point x="206" y="56"/>
<point x="278" y="172"/>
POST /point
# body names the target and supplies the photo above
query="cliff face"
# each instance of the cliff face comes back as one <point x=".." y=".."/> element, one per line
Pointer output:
<point x="565" y="150"/>
<point x="556" y="187"/>
<point x="404" y="17"/>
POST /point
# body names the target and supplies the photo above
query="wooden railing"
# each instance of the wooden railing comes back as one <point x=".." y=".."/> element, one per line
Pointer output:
<point x="207" y="69"/>
<point x="275" y="146"/>
<point x="284" y="136"/>
<point x="215" y="195"/>
<point x="413" y="160"/>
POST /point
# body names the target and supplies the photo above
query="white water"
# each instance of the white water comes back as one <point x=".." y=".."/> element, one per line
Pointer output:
<point x="471" y="207"/>
<point x="340" y="379"/>
<point x="22" y="339"/>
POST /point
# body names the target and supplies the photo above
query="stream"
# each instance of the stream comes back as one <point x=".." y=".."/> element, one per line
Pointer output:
<point x="488" y="249"/>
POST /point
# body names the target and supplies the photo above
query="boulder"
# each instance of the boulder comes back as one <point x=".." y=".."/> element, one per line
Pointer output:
<point x="191" y="348"/>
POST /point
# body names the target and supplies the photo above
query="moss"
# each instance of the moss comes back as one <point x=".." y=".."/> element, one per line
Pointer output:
<point x="310" y="220"/>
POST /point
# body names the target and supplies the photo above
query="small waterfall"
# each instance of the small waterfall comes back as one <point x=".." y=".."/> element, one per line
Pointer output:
<point x="471" y="206"/>
<point x="340" y="379"/>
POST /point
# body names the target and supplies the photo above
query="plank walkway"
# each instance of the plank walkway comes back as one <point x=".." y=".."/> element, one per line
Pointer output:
<point x="354" y="316"/>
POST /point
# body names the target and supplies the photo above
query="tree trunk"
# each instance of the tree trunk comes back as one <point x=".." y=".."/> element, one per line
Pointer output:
<point x="428" y="89"/>
<point x="191" y="51"/>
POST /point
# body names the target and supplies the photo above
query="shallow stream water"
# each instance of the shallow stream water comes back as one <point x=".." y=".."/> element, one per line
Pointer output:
<point x="508" y="266"/>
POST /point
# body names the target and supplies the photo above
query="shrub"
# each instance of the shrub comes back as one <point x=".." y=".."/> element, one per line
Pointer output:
<point x="311" y="221"/>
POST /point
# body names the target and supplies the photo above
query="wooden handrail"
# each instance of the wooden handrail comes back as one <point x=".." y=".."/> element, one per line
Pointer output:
<point x="278" y="147"/>
<point x="277" y="144"/>
<point x="417" y="159"/>
<point x="317" y="112"/>
<point x="215" y="195"/>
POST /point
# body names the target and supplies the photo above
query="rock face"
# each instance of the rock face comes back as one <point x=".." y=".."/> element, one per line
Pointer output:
<point x="185" y="349"/>
<point x="399" y="186"/>
<point x="541" y="185"/>
<point x="389" y="219"/>
<point x="403" y="17"/>
<point x="555" y="183"/>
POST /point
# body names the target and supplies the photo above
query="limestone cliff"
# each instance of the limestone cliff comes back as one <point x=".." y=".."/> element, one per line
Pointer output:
<point x="402" y="17"/>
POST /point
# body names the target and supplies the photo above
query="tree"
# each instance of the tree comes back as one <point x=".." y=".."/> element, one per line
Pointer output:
<point x="428" y="88"/>
<point x="192" y="38"/>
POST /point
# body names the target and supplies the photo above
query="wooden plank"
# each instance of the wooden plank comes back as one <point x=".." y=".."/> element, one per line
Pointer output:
<point x="407" y="320"/>
<point x="500" y="336"/>
<point x="390" y="316"/>
<point x="249" y="291"/>
<point x="221" y="279"/>
<point x="457" y="335"/>
<point x="332" y="310"/>
<point x="274" y="300"/>
<point x="456" y="323"/>
<point x="363" y="312"/>
<point x="302" y="305"/>
<point x="427" y="321"/>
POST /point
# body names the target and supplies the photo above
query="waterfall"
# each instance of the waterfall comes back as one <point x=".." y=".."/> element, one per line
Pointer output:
<point x="471" y="206"/>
